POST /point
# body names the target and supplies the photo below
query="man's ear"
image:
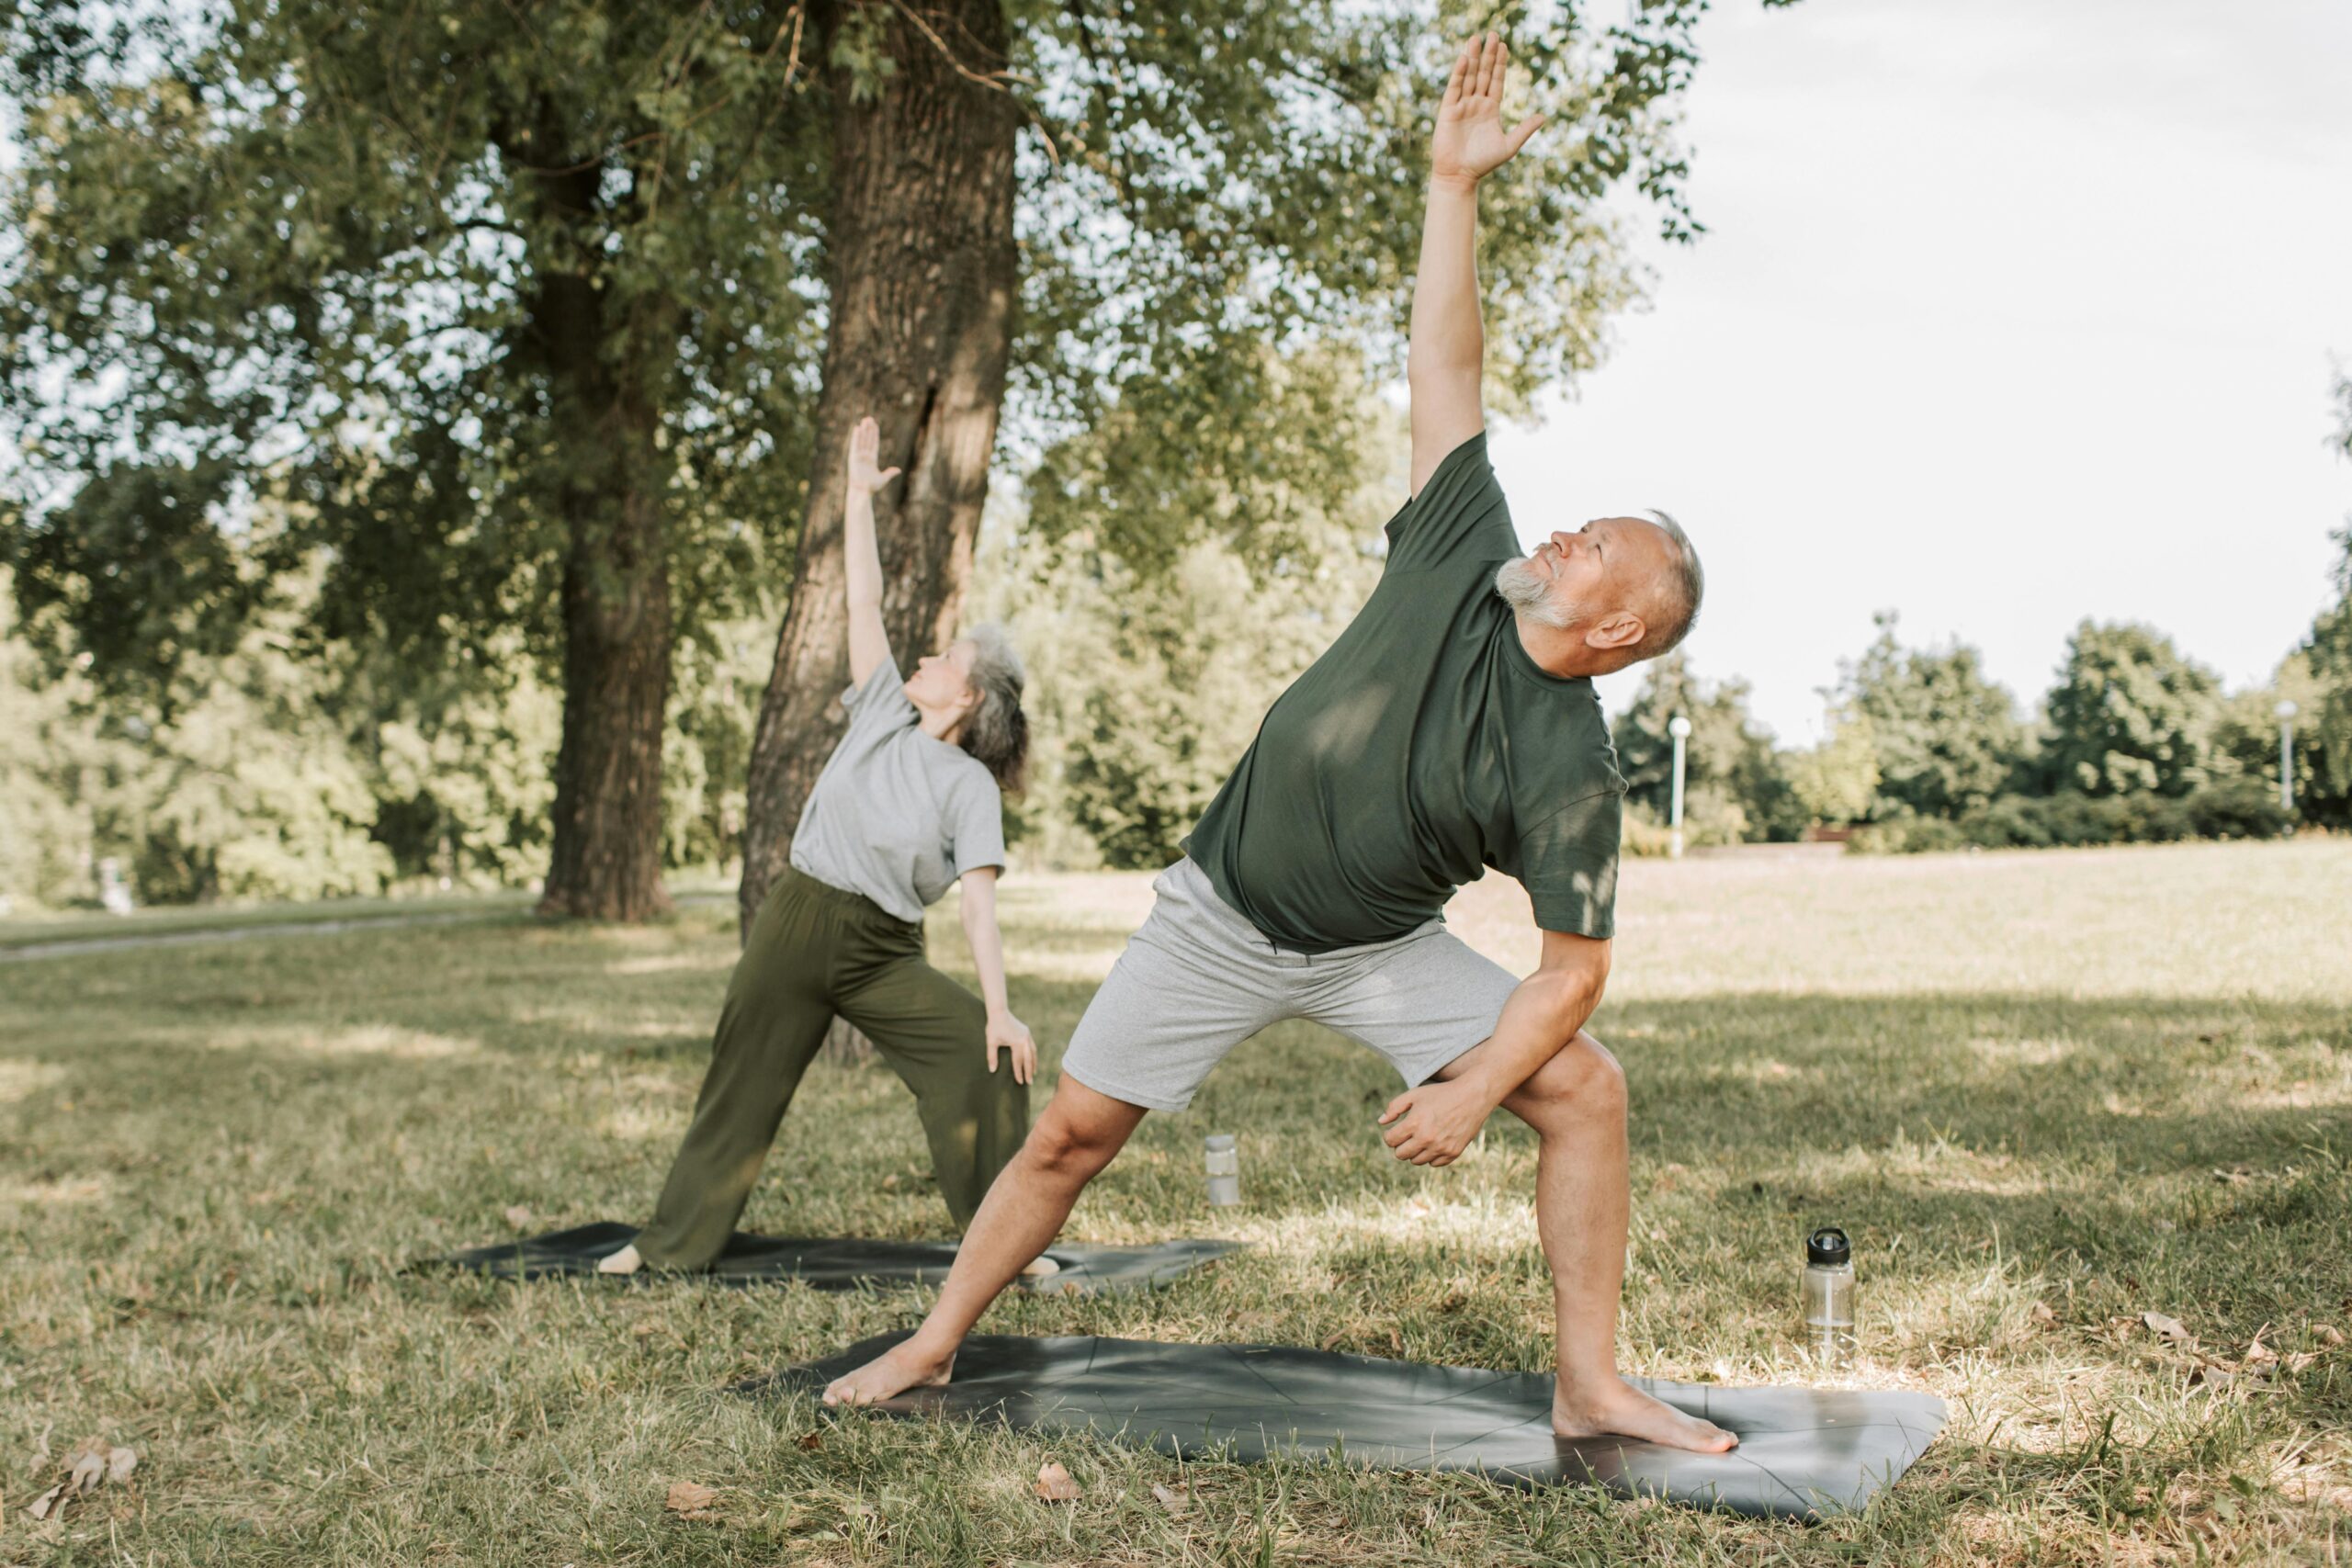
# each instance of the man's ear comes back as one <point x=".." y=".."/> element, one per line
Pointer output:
<point x="1619" y="628"/>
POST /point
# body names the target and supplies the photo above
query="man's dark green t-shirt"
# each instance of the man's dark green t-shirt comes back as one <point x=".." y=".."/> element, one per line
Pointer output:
<point x="1424" y="746"/>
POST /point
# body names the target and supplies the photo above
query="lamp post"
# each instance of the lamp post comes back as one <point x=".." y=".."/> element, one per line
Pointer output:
<point x="1680" y="728"/>
<point x="2286" y="711"/>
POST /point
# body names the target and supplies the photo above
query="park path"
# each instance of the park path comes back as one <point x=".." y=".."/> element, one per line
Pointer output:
<point x="75" y="947"/>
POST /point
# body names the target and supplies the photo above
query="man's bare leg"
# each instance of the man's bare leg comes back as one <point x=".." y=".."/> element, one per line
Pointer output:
<point x="1022" y="1212"/>
<point x="1575" y="1102"/>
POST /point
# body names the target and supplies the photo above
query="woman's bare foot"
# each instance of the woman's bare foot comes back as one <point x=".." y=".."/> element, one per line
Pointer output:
<point x="625" y="1261"/>
<point x="1618" y="1409"/>
<point x="896" y="1369"/>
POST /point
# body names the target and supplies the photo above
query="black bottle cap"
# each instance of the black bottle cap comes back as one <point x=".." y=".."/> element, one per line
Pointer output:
<point x="1828" y="1247"/>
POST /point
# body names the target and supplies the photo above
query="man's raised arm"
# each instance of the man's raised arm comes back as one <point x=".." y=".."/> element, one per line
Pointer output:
<point x="1447" y="354"/>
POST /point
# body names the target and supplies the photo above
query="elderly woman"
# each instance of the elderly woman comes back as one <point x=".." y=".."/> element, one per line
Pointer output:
<point x="908" y="804"/>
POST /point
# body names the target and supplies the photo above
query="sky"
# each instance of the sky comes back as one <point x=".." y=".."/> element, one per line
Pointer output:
<point x="2010" y="313"/>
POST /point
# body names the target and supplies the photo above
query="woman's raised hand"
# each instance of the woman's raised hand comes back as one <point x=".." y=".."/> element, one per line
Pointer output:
<point x="1007" y="1032"/>
<point x="865" y="450"/>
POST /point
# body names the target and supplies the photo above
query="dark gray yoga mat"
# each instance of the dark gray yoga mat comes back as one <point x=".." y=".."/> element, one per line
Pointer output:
<point x="831" y="1264"/>
<point x="1804" y="1453"/>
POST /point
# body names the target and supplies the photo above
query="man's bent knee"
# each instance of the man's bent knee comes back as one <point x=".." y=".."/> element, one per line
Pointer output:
<point x="1583" y="1080"/>
<point x="1080" y="1132"/>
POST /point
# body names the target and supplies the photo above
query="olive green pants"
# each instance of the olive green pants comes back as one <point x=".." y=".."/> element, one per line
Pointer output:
<point x="816" y="951"/>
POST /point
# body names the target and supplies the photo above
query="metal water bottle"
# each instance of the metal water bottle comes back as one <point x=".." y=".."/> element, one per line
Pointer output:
<point x="1225" y="1171"/>
<point x="1829" y="1297"/>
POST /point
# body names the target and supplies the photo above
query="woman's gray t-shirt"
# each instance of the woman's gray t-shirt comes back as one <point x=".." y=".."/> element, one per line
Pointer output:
<point x="897" y="815"/>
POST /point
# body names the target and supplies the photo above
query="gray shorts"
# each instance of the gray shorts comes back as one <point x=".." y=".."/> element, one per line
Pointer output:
<point x="1198" y="979"/>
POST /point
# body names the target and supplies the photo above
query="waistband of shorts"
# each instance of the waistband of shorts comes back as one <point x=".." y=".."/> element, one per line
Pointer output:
<point x="1244" y="926"/>
<point x="797" y="883"/>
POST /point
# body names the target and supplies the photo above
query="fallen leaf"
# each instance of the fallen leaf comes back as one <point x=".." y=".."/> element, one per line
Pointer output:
<point x="2171" y="1328"/>
<point x="811" y="1441"/>
<point x="47" y="1503"/>
<point x="1175" y="1499"/>
<point x="1055" y="1486"/>
<point x="2041" y="1313"/>
<point x="1396" y="1341"/>
<point x="2211" y="1374"/>
<point x="2258" y="1354"/>
<point x="89" y="1468"/>
<point x="891" y="1182"/>
<point x="2330" y="1335"/>
<point x="690" y="1497"/>
<point x="1335" y="1338"/>
<point x="120" y="1462"/>
<point x="518" y="1215"/>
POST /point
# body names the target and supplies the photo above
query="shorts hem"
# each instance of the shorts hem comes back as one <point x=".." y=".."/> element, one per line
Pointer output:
<point x="1124" y="1097"/>
<point x="1443" y="1062"/>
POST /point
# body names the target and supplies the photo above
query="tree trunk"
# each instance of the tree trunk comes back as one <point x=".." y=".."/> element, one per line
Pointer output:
<point x="921" y="238"/>
<point x="606" y="860"/>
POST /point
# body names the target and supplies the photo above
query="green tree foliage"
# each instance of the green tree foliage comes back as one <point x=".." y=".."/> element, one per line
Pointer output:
<point x="2130" y="713"/>
<point x="1837" y="781"/>
<point x="1145" y="687"/>
<point x="1734" y="787"/>
<point x="2323" y="738"/>
<point x="521" y="314"/>
<point x="1943" y="738"/>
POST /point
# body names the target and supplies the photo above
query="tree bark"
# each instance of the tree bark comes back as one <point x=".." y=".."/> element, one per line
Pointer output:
<point x="923" y="294"/>
<point x="606" y="860"/>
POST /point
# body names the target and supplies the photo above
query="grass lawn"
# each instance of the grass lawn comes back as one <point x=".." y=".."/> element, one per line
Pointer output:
<point x="2046" y="1093"/>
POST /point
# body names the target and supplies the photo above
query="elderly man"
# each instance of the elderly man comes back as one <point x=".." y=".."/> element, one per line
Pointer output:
<point x="1451" y="727"/>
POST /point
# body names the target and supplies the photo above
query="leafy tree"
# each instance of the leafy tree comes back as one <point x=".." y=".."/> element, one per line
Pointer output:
<point x="1944" y="739"/>
<point x="506" y="313"/>
<point x="1146" y="686"/>
<point x="2130" y="713"/>
<point x="1734" y="786"/>
<point x="46" y="848"/>
<point x="1174" y="206"/>
<point x="1838" y="779"/>
<point x="560" y="317"/>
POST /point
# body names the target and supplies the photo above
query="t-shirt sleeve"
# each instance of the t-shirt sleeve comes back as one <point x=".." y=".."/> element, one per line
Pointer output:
<point x="880" y="702"/>
<point x="1567" y="863"/>
<point x="976" y="822"/>
<point x="1460" y="512"/>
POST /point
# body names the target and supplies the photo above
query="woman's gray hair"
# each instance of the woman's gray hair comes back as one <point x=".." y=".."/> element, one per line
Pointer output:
<point x="996" y="731"/>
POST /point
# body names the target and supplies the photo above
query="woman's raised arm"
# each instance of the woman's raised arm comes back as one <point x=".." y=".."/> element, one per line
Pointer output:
<point x="869" y="644"/>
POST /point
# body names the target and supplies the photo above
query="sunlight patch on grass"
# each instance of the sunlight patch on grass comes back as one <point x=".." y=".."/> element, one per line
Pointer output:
<point x="2021" y="1053"/>
<point x="64" y="1189"/>
<point x="21" y="1081"/>
<point x="386" y="1039"/>
<point x="641" y="1123"/>
<point x="671" y="963"/>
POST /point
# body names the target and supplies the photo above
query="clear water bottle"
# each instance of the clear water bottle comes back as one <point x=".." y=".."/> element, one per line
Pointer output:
<point x="1829" y="1297"/>
<point x="1225" y="1171"/>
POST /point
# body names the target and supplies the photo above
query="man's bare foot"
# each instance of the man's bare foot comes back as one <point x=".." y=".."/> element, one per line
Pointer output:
<point x="1619" y="1409"/>
<point x="893" y="1373"/>
<point x="625" y="1261"/>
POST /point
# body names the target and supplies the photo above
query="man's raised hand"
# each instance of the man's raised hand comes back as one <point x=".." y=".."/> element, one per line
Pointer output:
<point x="1470" y="141"/>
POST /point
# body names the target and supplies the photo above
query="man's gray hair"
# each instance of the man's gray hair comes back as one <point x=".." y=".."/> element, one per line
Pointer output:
<point x="997" y="731"/>
<point x="1686" y="586"/>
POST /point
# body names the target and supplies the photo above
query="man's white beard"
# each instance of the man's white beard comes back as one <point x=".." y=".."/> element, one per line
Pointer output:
<point x="1524" y="588"/>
